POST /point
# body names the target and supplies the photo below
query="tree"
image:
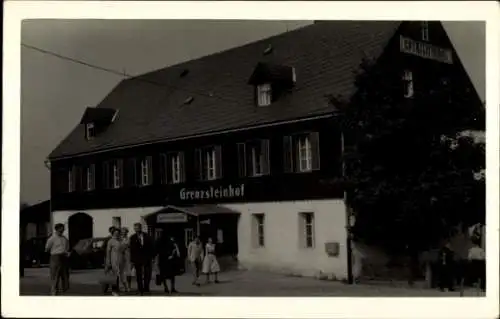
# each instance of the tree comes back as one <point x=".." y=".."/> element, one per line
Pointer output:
<point x="409" y="168"/>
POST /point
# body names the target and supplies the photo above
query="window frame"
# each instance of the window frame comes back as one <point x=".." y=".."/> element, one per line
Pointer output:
<point x="304" y="153"/>
<point x="407" y="78"/>
<point x="259" y="220"/>
<point x="307" y="230"/>
<point x="144" y="172"/>
<point x="264" y="94"/>
<point x="175" y="161"/>
<point x="249" y="159"/>
<point x="89" y="131"/>
<point x="90" y="182"/>
<point x="204" y="155"/>
<point x="211" y="162"/>
<point x="292" y="155"/>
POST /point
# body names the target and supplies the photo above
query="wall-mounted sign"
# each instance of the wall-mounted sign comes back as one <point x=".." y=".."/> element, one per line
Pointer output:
<point x="171" y="218"/>
<point x="230" y="191"/>
<point x="425" y="50"/>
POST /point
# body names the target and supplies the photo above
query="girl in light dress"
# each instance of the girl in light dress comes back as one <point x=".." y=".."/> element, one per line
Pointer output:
<point x="210" y="264"/>
<point x="126" y="264"/>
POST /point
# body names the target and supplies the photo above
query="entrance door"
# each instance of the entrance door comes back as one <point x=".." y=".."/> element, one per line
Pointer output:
<point x="80" y="226"/>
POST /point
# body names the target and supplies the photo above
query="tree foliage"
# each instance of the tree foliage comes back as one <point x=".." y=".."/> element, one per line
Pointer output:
<point x="409" y="172"/>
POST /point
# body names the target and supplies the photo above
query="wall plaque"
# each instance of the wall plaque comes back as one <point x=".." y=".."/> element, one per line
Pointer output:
<point x="425" y="50"/>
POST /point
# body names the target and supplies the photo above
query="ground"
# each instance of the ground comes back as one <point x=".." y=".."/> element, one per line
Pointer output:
<point x="239" y="283"/>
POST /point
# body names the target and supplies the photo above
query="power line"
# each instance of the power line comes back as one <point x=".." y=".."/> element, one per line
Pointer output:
<point x="112" y="71"/>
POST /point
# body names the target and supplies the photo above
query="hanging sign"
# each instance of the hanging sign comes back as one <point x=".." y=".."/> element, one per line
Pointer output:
<point x="425" y="50"/>
<point x="171" y="218"/>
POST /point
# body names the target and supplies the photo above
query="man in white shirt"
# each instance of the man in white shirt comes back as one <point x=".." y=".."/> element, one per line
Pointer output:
<point x="58" y="248"/>
<point x="195" y="256"/>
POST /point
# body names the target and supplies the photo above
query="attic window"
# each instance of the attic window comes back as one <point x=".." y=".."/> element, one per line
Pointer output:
<point x="425" y="30"/>
<point x="408" y="83"/>
<point x="264" y="94"/>
<point x="268" y="50"/>
<point x="89" y="131"/>
<point x="189" y="100"/>
<point x="184" y="73"/>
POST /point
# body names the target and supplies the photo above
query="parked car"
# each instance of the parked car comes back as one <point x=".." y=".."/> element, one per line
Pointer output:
<point x="89" y="253"/>
<point x="34" y="252"/>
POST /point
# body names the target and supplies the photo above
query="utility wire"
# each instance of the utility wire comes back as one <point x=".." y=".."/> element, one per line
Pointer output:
<point x="112" y="71"/>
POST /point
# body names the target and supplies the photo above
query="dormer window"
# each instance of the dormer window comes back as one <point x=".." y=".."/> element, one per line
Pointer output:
<point x="89" y="131"/>
<point x="264" y="94"/>
<point x="425" y="30"/>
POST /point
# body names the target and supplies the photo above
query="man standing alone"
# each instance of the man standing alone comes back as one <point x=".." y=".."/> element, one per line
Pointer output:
<point x="58" y="248"/>
<point x="141" y="256"/>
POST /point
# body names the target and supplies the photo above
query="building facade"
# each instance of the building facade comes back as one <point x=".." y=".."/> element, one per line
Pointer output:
<point x="241" y="146"/>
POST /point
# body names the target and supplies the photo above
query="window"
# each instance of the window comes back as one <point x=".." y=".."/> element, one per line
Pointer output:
<point x="305" y="153"/>
<point x="89" y="131"/>
<point x="209" y="162"/>
<point x="113" y="174"/>
<point x="301" y="153"/>
<point x="258" y="230"/>
<point x="264" y="94"/>
<point x="172" y="168"/>
<point x="146" y="171"/>
<point x="306" y="234"/>
<point x="90" y="178"/>
<point x="116" y="176"/>
<point x="425" y="30"/>
<point x="253" y="158"/>
<point x="408" y="83"/>
<point x="116" y="222"/>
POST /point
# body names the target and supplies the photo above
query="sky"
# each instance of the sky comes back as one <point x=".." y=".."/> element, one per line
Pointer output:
<point x="55" y="92"/>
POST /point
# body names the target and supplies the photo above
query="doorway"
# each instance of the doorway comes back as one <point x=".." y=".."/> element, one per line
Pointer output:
<point x="80" y="226"/>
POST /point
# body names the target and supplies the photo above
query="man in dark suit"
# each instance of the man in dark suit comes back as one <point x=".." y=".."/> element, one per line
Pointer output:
<point x="141" y="256"/>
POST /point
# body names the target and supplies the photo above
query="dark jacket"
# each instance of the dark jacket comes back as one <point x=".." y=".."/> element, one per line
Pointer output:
<point x="141" y="253"/>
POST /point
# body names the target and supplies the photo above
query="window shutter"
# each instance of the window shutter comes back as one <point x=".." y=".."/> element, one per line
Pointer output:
<point x="198" y="164"/>
<point x="92" y="176"/>
<point x="77" y="177"/>
<point x="315" y="151"/>
<point x="218" y="161"/>
<point x="163" y="168"/>
<point x="288" y="154"/>
<point x="181" y="167"/>
<point x="169" y="169"/>
<point x="264" y="145"/>
<point x="119" y="164"/>
<point x="242" y="161"/>
<point x="149" y="159"/>
<point x="106" y="175"/>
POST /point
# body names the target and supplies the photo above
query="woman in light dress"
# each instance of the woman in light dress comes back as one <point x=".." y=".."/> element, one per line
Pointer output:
<point x="210" y="264"/>
<point x="114" y="257"/>
<point x="126" y="264"/>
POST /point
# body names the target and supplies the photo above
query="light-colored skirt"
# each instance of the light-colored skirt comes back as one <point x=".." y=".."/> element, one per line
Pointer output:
<point x="210" y="264"/>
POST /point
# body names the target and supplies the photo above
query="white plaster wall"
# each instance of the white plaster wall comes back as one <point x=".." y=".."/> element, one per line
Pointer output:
<point x="282" y="251"/>
<point x="103" y="218"/>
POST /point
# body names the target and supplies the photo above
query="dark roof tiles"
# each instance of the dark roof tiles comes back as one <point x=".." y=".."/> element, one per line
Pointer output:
<point x="325" y="56"/>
